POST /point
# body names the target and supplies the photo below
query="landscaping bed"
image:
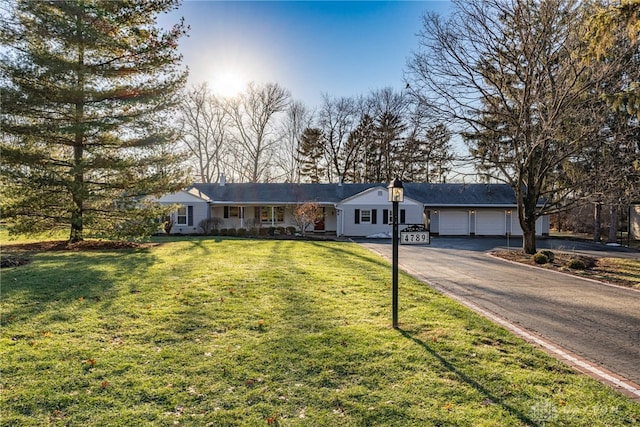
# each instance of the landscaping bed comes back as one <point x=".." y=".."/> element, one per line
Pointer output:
<point x="618" y="271"/>
<point x="18" y="254"/>
<point x="64" y="245"/>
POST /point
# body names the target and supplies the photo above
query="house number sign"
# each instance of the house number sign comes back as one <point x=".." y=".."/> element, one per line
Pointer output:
<point x="415" y="235"/>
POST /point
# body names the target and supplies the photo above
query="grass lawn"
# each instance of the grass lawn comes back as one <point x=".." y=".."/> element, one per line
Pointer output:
<point x="619" y="270"/>
<point x="224" y="332"/>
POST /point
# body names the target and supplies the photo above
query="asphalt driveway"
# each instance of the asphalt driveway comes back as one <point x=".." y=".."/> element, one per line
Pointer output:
<point x="596" y="323"/>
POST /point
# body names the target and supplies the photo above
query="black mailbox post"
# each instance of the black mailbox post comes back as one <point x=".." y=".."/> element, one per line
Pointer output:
<point x="396" y="196"/>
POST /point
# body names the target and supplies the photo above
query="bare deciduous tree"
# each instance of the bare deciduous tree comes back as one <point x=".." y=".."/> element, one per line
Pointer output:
<point x="305" y="215"/>
<point x="337" y="119"/>
<point x="204" y="125"/>
<point x="255" y="137"/>
<point x="296" y="120"/>
<point x="510" y="74"/>
<point x="389" y="110"/>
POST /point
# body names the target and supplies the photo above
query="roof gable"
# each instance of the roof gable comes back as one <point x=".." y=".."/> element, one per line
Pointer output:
<point x="183" y="196"/>
<point x="367" y="196"/>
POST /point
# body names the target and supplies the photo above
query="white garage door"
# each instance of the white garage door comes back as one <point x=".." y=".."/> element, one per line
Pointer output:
<point x="490" y="223"/>
<point x="454" y="223"/>
<point x="516" y="230"/>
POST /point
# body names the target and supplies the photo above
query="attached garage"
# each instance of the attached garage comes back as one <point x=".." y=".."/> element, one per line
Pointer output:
<point x="454" y="222"/>
<point x="490" y="222"/>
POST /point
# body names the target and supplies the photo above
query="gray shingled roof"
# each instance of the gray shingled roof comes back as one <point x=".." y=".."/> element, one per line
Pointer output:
<point x="428" y="194"/>
<point x="284" y="193"/>
<point x="461" y="194"/>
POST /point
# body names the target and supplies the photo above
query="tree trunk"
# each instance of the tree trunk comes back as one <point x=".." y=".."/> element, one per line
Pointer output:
<point x="76" y="234"/>
<point x="596" y="222"/>
<point x="613" y="223"/>
<point x="78" y="189"/>
<point x="529" y="241"/>
<point x="527" y="217"/>
<point x="78" y="186"/>
<point x="528" y="225"/>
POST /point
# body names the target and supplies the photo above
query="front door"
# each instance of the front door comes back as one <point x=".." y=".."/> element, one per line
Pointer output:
<point x="319" y="224"/>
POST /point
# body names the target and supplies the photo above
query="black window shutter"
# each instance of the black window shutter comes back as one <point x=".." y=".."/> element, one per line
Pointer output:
<point x="385" y="216"/>
<point x="357" y="219"/>
<point x="374" y="216"/>
<point x="402" y="216"/>
<point x="226" y="212"/>
<point x="189" y="216"/>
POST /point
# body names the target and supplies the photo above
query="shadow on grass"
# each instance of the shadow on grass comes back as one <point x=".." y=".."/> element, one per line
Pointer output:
<point x="468" y="380"/>
<point x="341" y="249"/>
<point x="62" y="277"/>
<point x="195" y="239"/>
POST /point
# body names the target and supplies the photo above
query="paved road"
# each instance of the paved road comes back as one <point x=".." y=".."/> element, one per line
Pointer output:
<point x="596" y="322"/>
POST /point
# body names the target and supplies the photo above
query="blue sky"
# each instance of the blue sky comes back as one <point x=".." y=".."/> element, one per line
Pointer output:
<point x="309" y="47"/>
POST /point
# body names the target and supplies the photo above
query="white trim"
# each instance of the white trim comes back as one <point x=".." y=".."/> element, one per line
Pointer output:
<point x="181" y="197"/>
<point x="186" y="215"/>
<point x="384" y="198"/>
<point x="267" y="203"/>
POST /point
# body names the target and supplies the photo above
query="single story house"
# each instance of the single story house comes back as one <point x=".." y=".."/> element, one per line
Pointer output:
<point x="351" y="209"/>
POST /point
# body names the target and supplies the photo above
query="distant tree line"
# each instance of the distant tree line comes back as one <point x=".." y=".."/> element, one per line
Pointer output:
<point x="263" y="135"/>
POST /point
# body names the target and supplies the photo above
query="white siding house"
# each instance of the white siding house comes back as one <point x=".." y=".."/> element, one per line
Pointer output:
<point x="352" y="209"/>
<point x="369" y="212"/>
<point x="192" y="208"/>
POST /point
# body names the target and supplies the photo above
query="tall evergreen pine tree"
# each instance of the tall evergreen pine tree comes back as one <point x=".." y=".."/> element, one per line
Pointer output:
<point x="310" y="155"/>
<point x="87" y="87"/>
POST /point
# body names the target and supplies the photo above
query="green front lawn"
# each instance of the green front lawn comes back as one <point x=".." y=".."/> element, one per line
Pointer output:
<point x="206" y="331"/>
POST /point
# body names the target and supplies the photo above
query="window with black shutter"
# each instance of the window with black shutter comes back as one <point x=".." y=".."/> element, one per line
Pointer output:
<point x="374" y="216"/>
<point x="181" y="216"/>
<point x="357" y="216"/>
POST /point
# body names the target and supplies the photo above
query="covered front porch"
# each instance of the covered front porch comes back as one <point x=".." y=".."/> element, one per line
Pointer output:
<point x="260" y="216"/>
